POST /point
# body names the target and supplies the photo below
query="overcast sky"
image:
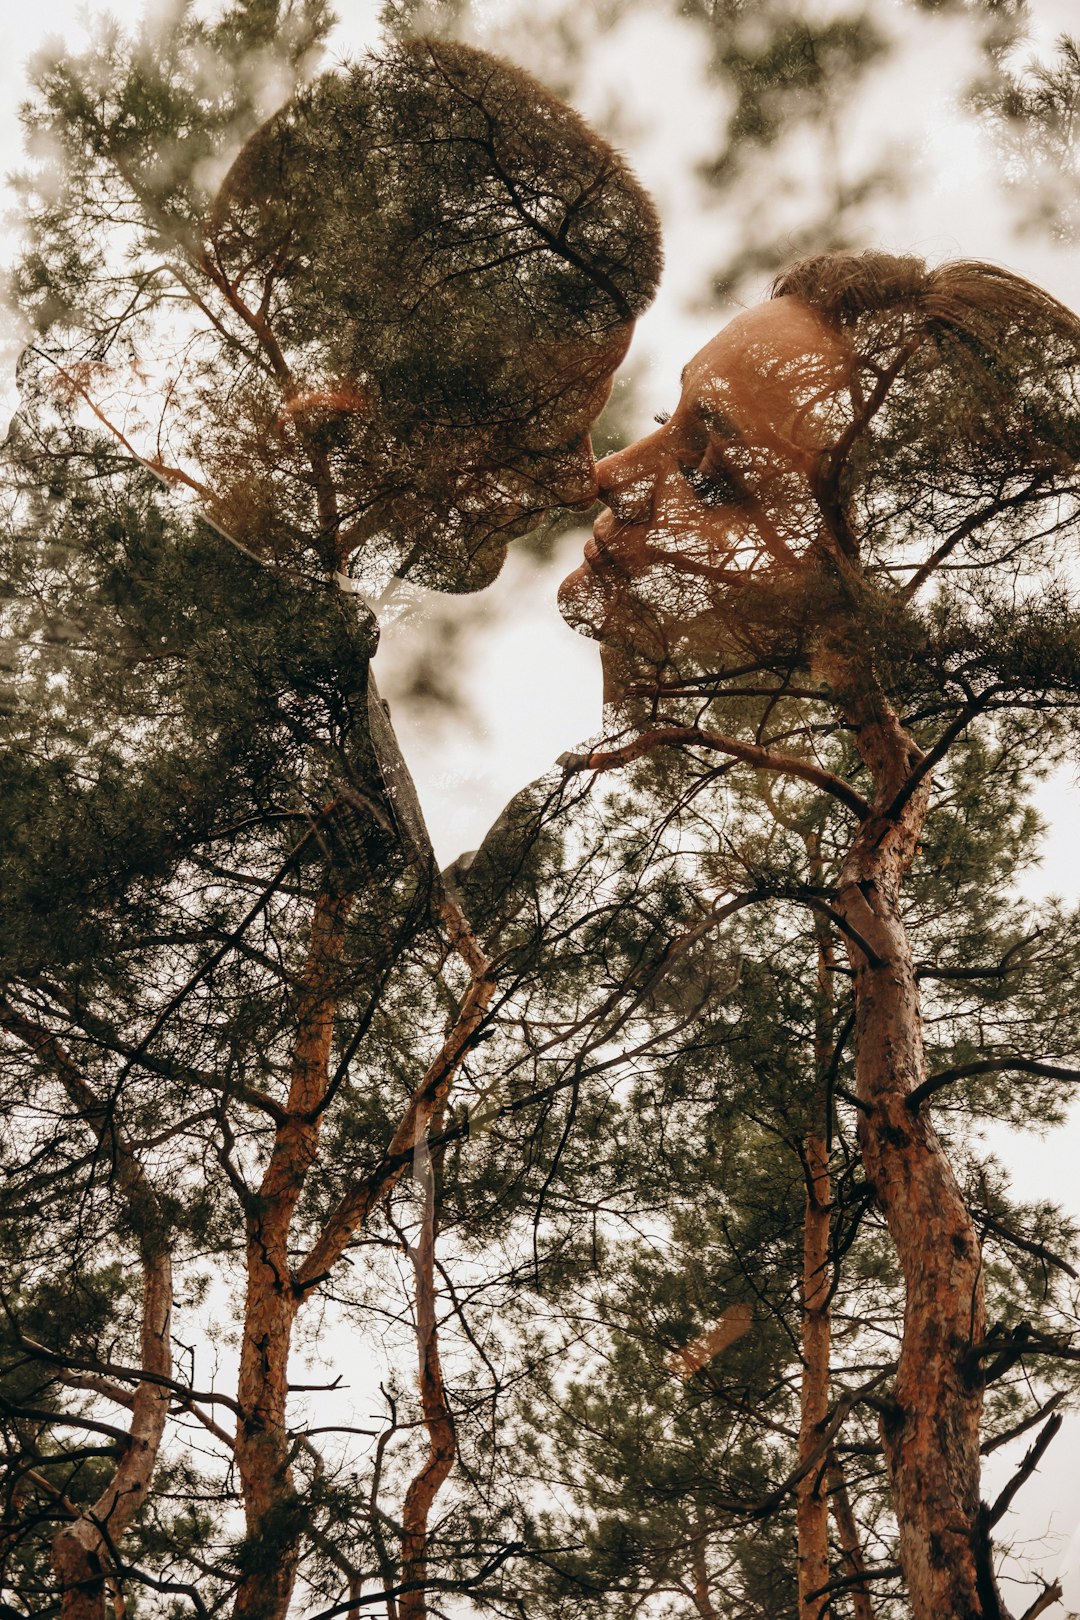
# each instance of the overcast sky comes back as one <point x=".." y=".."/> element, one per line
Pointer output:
<point x="531" y="688"/>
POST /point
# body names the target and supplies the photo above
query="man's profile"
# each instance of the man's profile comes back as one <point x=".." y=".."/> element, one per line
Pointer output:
<point x="436" y="266"/>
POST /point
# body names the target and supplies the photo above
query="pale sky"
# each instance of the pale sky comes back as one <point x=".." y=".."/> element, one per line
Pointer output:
<point x="532" y="687"/>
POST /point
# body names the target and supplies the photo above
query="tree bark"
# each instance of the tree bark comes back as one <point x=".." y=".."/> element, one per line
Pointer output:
<point x="83" y="1550"/>
<point x="930" y="1428"/>
<point x="847" y="1533"/>
<point x="438" y="1420"/>
<point x="271" y="1549"/>
<point x="812" y="1504"/>
<point x="275" y="1289"/>
<point x="703" y="1602"/>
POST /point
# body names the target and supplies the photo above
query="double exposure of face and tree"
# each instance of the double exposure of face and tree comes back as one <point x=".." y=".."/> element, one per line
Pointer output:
<point x="834" y="606"/>
<point x="598" y="1227"/>
<point x="236" y="991"/>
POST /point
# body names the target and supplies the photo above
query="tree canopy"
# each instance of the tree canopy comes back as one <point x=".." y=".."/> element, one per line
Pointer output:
<point x="628" y="1171"/>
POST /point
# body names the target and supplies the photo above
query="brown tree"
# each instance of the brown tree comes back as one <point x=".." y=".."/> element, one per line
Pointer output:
<point x="876" y="433"/>
<point x="382" y="342"/>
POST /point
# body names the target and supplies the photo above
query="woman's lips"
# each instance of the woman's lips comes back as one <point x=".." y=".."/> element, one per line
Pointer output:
<point x="600" y="562"/>
<point x="605" y="549"/>
<point x="598" y="552"/>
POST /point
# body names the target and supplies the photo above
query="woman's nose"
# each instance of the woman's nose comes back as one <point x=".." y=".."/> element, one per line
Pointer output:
<point x="608" y="472"/>
<point x="624" y="482"/>
<point x="605" y="471"/>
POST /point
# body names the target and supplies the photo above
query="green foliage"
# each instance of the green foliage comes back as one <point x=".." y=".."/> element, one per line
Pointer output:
<point x="384" y="335"/>
<point x="474" y="327"/>
<point x="790" y="71"/>
<point x="201" y="697"/>
<point x="1031" y="110"/>
<point x="400" y="303"/>
<point x="156" y="110"/>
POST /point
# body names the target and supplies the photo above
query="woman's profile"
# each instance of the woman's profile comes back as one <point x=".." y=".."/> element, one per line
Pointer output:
<point x="804" y="573"/>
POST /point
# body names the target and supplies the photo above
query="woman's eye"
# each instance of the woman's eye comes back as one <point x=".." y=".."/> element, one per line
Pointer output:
<point x="714" y="485"/>
<point x="662" y="418"/>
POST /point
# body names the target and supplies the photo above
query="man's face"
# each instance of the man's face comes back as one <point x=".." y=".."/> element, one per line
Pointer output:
<point x="513" y="476"/>
<point x="439" y="500"/>
<point x="722" y="488"/>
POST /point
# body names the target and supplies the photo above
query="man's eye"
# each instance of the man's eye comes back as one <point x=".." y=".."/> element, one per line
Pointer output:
<point x="714" y="486"/>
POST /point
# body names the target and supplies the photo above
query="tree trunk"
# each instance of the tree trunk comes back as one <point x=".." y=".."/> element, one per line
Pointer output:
<point x="83" y="1550"/>
<point x="703" y="1602"/>
<point x="812" y="1504"/>
<point x="271" y="1549"/>
<point x="930" y="1428"/>
<point x="847" y="1533"/>
<point x="438" y="1420"/>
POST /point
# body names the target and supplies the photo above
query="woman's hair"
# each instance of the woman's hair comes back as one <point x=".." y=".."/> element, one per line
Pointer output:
<point x="981" y="367"/>
<point x="963" y="296"/>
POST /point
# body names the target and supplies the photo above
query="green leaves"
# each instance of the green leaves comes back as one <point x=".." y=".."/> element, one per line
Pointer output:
<point x="449" y="260"/>
<point x="387" y="334"/>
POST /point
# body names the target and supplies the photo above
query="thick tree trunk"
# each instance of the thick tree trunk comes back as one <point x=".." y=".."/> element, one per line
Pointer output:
<point x="272" y="1542"/>
<point x="930" y="1429"/>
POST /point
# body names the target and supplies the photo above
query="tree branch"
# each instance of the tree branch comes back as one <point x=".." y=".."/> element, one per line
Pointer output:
<point x="1031" y="1461"/>
<point x="964" y="1071"/>
<point x="765" y="759"/>
<point x="357" y="1204"/>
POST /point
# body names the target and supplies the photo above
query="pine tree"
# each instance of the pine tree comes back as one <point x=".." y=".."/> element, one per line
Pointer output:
<point x="236" y="991"/>
<point x="795" y="635"/>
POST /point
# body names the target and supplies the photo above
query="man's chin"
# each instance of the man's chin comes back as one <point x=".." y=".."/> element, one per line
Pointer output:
<point x="483" y="560"/>
<point x="482" y="570"/>
<point x="455" y="571"/>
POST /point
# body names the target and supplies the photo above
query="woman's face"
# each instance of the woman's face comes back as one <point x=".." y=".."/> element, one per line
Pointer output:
<point x="723" y="486"/>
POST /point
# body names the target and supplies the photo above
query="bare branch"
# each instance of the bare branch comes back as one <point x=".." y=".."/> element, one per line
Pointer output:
<point x="964" y="1071"/>
<point x="764" y="759"/>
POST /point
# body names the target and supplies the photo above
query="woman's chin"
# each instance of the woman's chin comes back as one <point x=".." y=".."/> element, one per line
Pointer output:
<point x="583" y="604"/>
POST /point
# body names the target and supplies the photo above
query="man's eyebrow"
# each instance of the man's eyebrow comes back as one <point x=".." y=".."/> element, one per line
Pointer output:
<point x="682" y="373"/>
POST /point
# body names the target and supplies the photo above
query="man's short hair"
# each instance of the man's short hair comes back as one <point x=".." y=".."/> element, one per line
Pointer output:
<point x="438" y="239"/>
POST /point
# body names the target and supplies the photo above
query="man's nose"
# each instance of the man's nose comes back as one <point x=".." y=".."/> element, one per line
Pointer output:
<point x="577" y="478"/>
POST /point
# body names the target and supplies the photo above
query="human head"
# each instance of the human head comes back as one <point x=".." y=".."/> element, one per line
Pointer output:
<point x="451" y="262"/>
<point x="721" y="488"/>
<point x="821" y="434"/>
